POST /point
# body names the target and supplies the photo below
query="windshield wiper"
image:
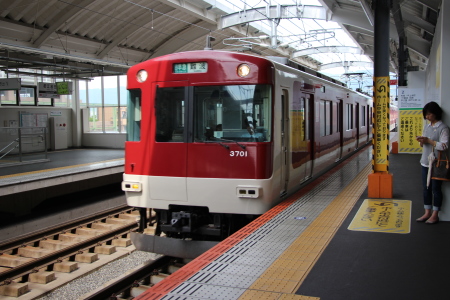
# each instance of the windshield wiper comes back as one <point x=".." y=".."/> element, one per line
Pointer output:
<point x="218" y="142"/>
<point x="231" y="141"/>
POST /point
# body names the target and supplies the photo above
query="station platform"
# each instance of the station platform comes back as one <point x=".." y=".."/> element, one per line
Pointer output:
<point x="68" y="185"/>
<point x="64" y="166"/>
<point x="314" y="246"/>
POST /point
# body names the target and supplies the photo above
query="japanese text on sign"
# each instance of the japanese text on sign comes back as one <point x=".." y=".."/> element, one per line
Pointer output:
<point x="193" y="67"/>
<point x="410" y="97"/>
<point x="411" y="123"/>
<point x="381" y="125"/>
<point x="383" y="215"/>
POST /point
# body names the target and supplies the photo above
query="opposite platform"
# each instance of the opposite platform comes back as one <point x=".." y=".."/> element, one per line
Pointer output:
<point x="63" y="167"/>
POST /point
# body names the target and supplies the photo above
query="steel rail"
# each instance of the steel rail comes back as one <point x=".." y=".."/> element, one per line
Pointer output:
<point x="30" y="267"/>
<point x="126" y="282"/>
<point x="37" y="235"/>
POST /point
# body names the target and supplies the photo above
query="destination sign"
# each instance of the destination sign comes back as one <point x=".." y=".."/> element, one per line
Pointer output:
<point x="192" y="67"/>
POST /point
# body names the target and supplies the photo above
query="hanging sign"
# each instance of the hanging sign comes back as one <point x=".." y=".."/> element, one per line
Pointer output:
<point x="10" y="84"/>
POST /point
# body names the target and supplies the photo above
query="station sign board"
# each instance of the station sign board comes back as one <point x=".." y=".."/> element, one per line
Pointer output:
<point x="47" y="90"/>
<point x="64" y="88"/>
<point x="10" y="84"/>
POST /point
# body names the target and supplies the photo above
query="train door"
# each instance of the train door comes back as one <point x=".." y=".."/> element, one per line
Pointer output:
<point x="169" y="126"/>
<point x="284" y="141"/>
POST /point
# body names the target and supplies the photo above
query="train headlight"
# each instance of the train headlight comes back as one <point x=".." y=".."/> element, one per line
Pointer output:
<point x="131" y="186"/>
<point x="141" y="76"/>
<point x="243" y="70"/>
<point x="247" y="191"/>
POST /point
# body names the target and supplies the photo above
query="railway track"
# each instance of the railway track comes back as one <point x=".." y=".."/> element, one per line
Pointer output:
<point x="139" y="280"/>
<point x="31" y="266"/>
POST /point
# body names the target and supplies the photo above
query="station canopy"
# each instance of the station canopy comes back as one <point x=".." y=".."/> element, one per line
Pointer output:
<point x="88" y="38"/>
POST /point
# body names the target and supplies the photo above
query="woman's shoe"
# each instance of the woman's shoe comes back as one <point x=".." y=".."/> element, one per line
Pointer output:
<point x="432" y="222"/>
<point x="422" y="219"/>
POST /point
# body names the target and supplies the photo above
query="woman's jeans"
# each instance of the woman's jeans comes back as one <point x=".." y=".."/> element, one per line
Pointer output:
<point x="433" y="190"/>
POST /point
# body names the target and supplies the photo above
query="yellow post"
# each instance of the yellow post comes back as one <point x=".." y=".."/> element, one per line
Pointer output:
<point x="380" y="182"/>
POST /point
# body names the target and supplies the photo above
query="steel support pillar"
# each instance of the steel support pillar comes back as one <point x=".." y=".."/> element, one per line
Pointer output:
<point x="380" y="181"/>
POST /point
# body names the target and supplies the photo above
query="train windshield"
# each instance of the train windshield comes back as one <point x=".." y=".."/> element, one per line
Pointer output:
<point x="240" y="113"/>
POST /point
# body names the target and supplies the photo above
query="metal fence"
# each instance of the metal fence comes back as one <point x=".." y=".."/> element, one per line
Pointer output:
<point x="22" y="144"/>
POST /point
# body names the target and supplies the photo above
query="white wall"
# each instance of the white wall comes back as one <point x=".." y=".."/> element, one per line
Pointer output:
<point x="417" y="79"/>
<point x="437" y="82"/>
<point x="13" y="114"/>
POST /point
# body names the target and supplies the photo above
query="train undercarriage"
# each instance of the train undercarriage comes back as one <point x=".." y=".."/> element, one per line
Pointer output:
<point x="186" y="231"/>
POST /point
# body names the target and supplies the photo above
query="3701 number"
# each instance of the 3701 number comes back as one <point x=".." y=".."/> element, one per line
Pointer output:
<point x="238" y="153"/>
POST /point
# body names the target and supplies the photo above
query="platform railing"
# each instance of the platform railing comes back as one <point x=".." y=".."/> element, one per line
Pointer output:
<point x="22" y="144"/>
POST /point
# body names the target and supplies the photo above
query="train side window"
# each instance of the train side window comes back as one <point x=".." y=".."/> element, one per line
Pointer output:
<point x="134" y="115"/>
<point x="363" y="115"/>
<point x="306" y="120"/>
<point x="326" y="117"/>
<point x="169" y="112"/>
<point x="349" y="123"/>
<point x="338" y="115"/>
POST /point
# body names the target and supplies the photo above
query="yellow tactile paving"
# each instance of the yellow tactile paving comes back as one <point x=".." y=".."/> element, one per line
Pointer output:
<point x="274" y="285"/>
<point x="260" y="295"/>
<point x="296" y="297"/>
<point x="288" y="272"/>
<point x="60" y="168"/>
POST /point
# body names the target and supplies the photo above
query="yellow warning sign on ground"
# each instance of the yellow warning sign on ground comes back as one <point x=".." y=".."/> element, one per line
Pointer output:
<point x="383" y="215"/>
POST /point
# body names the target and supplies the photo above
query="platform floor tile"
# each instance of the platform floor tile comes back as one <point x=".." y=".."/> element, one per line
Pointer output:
<point x="271" y="261"/>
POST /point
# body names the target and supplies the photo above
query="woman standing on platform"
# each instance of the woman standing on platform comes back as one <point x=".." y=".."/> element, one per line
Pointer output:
<point x="435" y="136"/>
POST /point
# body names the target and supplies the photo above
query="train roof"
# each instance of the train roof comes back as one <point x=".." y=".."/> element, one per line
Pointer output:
<point x="292" y="64"/>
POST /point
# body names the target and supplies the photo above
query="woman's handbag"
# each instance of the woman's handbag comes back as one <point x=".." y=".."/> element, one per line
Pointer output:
<point x="441" y="167"/>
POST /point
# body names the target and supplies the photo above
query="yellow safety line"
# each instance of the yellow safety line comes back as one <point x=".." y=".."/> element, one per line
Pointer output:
<point x="60" y="168"/>
<point x="284" y="277"/>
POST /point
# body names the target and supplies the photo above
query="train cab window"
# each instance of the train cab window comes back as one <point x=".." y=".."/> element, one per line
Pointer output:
<point x="134" y="115"/>
<point x="235" y="113"/>
<point x="169" y="111"/>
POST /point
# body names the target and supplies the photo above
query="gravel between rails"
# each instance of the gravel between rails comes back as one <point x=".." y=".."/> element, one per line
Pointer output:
<point x="77" y="288"/>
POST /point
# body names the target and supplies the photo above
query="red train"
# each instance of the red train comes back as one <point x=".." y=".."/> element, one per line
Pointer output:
<point x="217" y="138"/>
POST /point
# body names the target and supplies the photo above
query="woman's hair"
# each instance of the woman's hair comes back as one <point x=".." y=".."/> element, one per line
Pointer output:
<point x="434" y="108"/>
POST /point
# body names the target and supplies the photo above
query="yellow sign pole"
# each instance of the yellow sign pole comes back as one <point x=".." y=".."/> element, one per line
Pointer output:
<point x="380" y="182"/>
<point x="381" y="124"/>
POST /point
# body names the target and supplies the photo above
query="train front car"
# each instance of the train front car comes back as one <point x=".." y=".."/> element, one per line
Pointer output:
<point x="199" y="148"/>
